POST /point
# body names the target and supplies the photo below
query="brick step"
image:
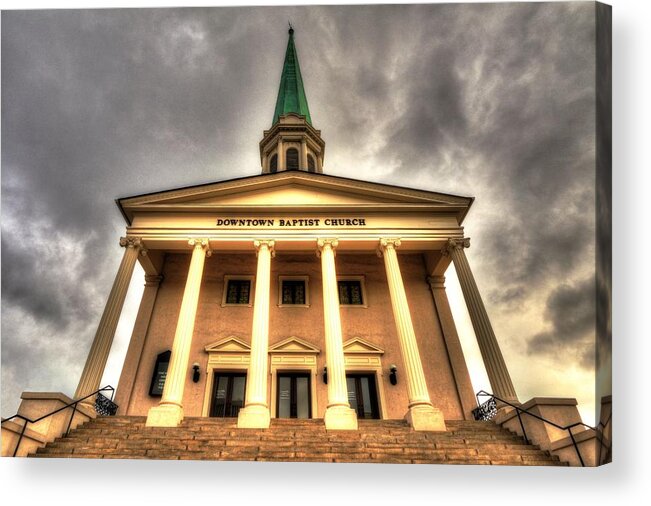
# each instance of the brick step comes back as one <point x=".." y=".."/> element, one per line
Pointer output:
<point x="298" y="454"/>
<point x="298" y="439"/>
<point x="333" y="457"/>
<point x="280" y="439"/>
<point x="465" y="442"/>
<point x="67" y="445"/>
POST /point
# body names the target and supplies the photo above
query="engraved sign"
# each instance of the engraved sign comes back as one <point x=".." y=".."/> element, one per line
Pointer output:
<point x="291" y="222"/>
<point x="160" y="374"/>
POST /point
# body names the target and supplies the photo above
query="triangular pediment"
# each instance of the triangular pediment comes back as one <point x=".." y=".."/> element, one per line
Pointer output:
<point x="289" y="189"/>
<point x="359" y="345"/>
<point x="291" y="194"/>
<point x="294" y="345"/>
<point x="230" y="344"/>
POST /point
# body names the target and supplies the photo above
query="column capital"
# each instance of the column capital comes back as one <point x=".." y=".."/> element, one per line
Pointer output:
<point x="200" y="244"/>
<point x="455" y="244"/>
<point x="436" y="281"/>
<point x="269" y="243"/>
<point x="131" y="241"/>
<point x="387" y="243"/>
<point x="325" y="244"/>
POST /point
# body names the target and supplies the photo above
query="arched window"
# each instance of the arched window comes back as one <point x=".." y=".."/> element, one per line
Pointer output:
<point x="311" y="166"/>
<point x="292" y="159"/>
<point x="273" y="164"/>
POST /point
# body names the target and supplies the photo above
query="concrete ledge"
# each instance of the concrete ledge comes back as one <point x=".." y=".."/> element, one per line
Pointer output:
<point x="563" y="412"/>
<point x="30" y="442"/>
<point x="62" y="398"/>
<point x="587" y="443"/>
<point x="35" y="405"/>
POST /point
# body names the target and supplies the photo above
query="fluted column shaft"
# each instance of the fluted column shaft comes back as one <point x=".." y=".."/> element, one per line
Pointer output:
<point x="453" y="346"/>
<point x="169" y="412"/>
<point x="137" y="343"/>
<point x="496" y="369"/>
<point x="337" y="390"/>
<point x="256" y="389"/>
<point x="416" y="385"/>
<point x="256" y="411"/>
<point x="101" y="347"/>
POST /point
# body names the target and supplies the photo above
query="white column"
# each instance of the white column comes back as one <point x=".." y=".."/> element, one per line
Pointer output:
<point x="453" y="346"/>
<point x="93" y="371"/>
<point x="137" y="343"/>
<point x="421" y="414"/>
<point x="303" y="154"/>
<point x="339" y="414"/>
<point x="169" y="412"/>
<point x="255" y="414"/>
<point x="498" y="374"/>
<point x="281" y="155"/>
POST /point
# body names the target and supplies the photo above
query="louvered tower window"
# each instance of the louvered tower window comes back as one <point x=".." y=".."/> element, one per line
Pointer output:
<point x="292" y="159"/>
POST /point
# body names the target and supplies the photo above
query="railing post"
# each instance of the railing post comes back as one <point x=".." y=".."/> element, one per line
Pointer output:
<point x="524" y="432"/>
<point x="20" y="438"/>
<point x="74" y="410"/>
<point x="578" y="453"/>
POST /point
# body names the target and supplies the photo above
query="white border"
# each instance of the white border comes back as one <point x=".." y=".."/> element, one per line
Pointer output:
<point x="624" y="482"/>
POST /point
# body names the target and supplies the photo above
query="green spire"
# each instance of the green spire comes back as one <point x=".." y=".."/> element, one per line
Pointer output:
<point x="291" y="95"/>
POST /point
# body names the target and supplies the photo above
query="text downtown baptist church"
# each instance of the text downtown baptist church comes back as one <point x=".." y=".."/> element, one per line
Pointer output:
<point x="294" y="222"/>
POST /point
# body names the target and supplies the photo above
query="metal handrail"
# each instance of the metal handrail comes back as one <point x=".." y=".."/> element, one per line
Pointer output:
<point x="568" y="428"/>
<point x="74" y="410"/>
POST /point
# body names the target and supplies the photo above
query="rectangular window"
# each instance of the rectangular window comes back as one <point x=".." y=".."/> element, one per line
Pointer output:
<point x="293" y="291"/>
<point x="350" y="292"/>
<point x="238" y="291"/>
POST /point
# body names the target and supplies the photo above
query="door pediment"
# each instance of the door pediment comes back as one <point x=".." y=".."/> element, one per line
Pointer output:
<point x="359" y="345"/>
<point x="294" y="345"/>
<point x="230" y="344"/>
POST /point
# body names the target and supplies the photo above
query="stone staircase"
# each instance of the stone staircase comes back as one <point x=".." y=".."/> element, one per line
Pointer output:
<point x="376" y="441"/>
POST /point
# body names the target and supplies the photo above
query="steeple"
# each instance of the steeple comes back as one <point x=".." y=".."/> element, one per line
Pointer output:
<point x="291" y="94"/>
<point x="292" y="143"/>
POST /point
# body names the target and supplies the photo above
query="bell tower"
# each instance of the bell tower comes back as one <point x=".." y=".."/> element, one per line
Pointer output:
<point x="292" y="143"/>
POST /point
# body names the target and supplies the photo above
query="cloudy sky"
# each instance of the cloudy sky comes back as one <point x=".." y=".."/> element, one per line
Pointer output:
<point x="496" y="101"/>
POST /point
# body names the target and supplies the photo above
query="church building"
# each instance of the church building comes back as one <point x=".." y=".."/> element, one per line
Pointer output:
<point x="295" y="294"/>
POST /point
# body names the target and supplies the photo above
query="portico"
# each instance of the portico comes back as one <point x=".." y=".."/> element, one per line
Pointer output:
<point x="333" y="224"/>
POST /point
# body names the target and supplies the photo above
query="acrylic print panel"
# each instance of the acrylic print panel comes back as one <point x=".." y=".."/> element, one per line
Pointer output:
<point x="460" y="220"/>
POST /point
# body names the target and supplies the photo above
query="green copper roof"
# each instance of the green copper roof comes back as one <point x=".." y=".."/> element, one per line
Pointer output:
<point x="291" y="95"/>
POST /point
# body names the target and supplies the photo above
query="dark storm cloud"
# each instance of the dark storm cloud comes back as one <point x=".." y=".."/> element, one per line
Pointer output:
<point x="492" y="100"/>
<point x="570" y="311"/>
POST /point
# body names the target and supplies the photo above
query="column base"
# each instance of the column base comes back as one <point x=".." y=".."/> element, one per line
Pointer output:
<point x="165" y="415"/>
<point x="254" y="417"/>
<point x="340" y="418"/>
<point x="425" y="417"/>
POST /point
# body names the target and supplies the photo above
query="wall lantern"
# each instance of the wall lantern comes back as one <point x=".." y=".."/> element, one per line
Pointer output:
<point x="392" y="377"/>
<point x="195" y="372"/>
<point x="325" y="375"/>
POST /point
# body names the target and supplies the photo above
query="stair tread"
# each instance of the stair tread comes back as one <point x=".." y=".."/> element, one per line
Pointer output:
<point x="389" y="441"/>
